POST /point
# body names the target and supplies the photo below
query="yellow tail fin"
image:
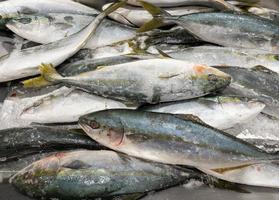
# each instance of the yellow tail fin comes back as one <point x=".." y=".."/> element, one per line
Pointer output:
<point x="158" y="16"/>
<point x="37" y="82"/>
<point x="49" y="73"/>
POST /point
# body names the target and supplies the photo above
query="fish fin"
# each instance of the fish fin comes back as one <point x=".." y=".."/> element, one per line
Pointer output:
<point x="227" y="169"/>
<point x="49" y="73"/>
<point x="189" y="117"/>
<point x="115" y="6"/>
<point x="37" y="82"/>
<point x="263" y="69"/>
<point x="158" y="16"/>
<point x="163" y="54"/>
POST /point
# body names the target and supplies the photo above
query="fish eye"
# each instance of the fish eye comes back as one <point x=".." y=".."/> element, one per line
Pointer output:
<point x="94" y="125"/>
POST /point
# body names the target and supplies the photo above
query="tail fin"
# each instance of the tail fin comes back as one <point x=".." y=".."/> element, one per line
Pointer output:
<point x="37" y="82"/>
<point x="158" y="16"/>
<point x="49" y="73"/>
<point x="115" y="6"/>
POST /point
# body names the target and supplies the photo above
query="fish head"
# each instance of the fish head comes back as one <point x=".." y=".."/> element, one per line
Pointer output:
<point x="29" y="24"/>
<point x="37" y="178"/>
<point x="104" y="128"/>
<point x="209" y="79"/>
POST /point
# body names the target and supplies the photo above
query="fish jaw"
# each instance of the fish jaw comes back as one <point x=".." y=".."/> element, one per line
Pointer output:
<point x="210" y="80"/>
<point x="38" y="177"/>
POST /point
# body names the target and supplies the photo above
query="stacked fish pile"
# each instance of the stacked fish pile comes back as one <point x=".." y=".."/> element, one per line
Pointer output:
<point x="155" y="94"/>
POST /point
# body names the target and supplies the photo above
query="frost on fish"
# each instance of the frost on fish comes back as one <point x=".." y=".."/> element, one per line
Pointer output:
<point x="262" y="127"/>
<point x="146" y="81"/>
<point x="61" y="105"/>
<point x="91" y="174"/>
<point x="62" y="25"/>
<point x="220" y="112"/>
<point x="228" y="56"/>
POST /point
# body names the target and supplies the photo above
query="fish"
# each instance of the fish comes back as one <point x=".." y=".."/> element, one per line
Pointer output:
<point x="171" y="139"/>
<point x="19" y="142"/>
<point x="61" y="105"/>
<point x="264" y="12"/>
<point x="221" y="112"/>
<point x="61" y="25"/>
<point x="24" y="63"/>
<point x="257" y="82"/>
<point x="146" y="81"/>
<point x="263" y="175"/>
<point x="227" y="56"/>
<point x="95" y="174"/>
<point x="7" y="45"/>
<point x="218" y="4"/>
<point x="12" y="8"/>
<point x="230" y="29"/>
<point x="136" y="16"/>
<point x="263" y="127"/>
<point x="76" y="66"/>
<point x="10" y="168"/>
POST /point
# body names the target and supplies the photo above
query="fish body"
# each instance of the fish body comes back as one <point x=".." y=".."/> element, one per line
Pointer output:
<point x="24" y="63"/>
<point x="92" y="174"/>
<point x="61" y="25"/>
<point x="219" y="112"/>
<point x="146" y="81"/>
<point x="170" y="139"/>
<point x="257" y="82"/>
<point x="218" y="4"/>
<point x="135" y="16"/>
<point x="7" y="45"/>
<point x="223" y="28"/>
<point x="263" y="127"/>
<point x="18" y="142"/>
<point x="12" y="8"/>
<point x="60" y="105"/>
<point x="227" y="56"/>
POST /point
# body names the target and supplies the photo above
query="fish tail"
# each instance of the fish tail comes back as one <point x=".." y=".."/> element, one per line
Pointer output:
<point x="158" y="17"/>
<point x="37" y="82"/>
<point x="49" y="73"/>
<point x="115" y="6"/>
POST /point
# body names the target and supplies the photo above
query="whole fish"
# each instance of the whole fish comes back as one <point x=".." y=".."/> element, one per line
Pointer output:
<point x="146" y="81"/>
<point x="135" y="16"/>
<point x="24" y="63"/>
<point x="227" y="56"/>
<point x="95" y="174"/>
<point x="171" y="139"/>
<point x="61" y="25"/>
<point x="18" y="142"/>
<point x="220" y="112"/>
<point x="222" y="28"/>
<point x="12" y="8"/>
<point x="257" y="82"/>
<point x="218" y="4"/>
<point x="61" y="105"/>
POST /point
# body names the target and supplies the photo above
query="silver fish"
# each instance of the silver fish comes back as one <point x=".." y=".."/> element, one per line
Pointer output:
<point x="24" y="63"/>
<point x="220" y="112"/>
<point x="222" y="28"/>
<point x="36" y="28"/>
<point x="146" y="81"/>
<point x="135" y="16"/>
<point x="227" y="56"/>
